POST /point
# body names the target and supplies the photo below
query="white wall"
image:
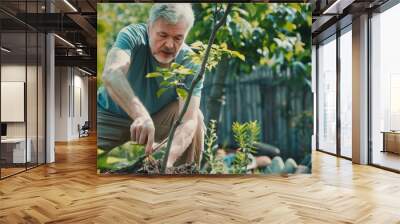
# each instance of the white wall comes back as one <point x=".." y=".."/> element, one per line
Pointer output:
<point x="33" y="127"/>
<point x="80" y="100"/>
<point x="14" y="72"/>
<point x="61" y="103"/>
<point x="70" y="83"/>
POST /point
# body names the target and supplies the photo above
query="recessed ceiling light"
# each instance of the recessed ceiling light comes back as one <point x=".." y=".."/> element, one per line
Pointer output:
<point x="70" y="5"/>
<point x="337" y="7"/>
<point x="5" y="49"/>
<point x="64" y="40"/>
<point x="84" y="71"/>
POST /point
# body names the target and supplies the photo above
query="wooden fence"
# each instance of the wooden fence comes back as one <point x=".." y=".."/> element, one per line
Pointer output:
<point x="282" y="104"/>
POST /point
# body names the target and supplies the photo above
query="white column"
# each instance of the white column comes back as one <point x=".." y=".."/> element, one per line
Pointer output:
<point x="360" y="90"/>
<point x="50" y="92"/>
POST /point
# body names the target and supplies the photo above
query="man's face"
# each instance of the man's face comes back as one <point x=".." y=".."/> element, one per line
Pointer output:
<point x="166" y="39"/>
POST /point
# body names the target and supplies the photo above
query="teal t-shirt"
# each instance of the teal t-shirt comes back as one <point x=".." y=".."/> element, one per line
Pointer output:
<point x="134" y="38"/>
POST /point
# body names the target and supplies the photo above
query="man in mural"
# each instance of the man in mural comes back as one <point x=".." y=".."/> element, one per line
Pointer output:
<point x="128" y="107"/>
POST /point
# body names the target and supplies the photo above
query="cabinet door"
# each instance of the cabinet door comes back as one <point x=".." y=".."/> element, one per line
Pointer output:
<point x="392" y="141"/>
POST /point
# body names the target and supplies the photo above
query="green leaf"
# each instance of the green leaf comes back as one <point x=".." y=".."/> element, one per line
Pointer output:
<point x="112" y="160"/>
<point x="160" y="92"/>
<point x="165" y="83"/>
<point x="224" y="46"/>
<point x="197" y="45"/>
<point x="175" y="65"/>
<point x="154" y="75"/>
<point x="290" y="26"/>
<point x="184" y="71"/>
<point x="120" y="156"/>
<point x="238" y="55"/>
<point x="299" y="47"/>
<point x="100" y="152"/>
<point x="289" y="55"/>
<point x="167" y="75"/>
<point x="181" y="93"/>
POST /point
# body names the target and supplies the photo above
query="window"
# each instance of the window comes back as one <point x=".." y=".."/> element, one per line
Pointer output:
<point x="23" y="77"/>
<point x="346" y="92"/>
<point x="385" y="88"/>
<point x="327" y="95"/>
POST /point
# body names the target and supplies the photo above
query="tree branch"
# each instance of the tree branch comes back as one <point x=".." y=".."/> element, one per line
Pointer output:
<point x="196" y="80"/>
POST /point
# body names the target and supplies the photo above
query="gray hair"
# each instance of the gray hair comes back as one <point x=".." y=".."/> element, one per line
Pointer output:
<point x="172" y="13"/>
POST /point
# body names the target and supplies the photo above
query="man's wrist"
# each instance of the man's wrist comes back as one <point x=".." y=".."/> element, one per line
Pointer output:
<point x="137" y="109"/>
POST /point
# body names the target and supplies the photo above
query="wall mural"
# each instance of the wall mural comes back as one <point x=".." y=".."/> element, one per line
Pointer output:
<point x="205" y="88"/>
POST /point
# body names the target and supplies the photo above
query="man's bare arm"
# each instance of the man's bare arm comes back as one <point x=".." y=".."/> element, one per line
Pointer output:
<point x="185" y="132"/>
<point x="116" y="82"/>
<point x="117" y="85"/>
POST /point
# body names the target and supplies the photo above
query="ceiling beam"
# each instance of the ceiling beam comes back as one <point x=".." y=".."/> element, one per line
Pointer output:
<point x="337" y="7"/>
<point x="86" y="26"/>
<point x="81" y="61"/>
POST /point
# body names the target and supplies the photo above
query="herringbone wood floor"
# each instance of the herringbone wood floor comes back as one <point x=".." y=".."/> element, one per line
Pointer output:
<point x="70" y="191"/>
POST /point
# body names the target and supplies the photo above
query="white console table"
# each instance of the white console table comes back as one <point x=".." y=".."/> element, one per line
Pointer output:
<point x="17" y="145"/>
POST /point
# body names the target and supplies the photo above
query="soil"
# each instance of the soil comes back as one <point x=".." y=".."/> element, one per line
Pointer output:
<point x="152" y="166"/>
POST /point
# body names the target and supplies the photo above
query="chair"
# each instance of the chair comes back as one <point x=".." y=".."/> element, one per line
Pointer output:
<point x="84" y="130"/>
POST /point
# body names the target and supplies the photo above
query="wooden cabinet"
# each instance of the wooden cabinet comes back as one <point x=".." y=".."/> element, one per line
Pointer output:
<point x="391" y="142"/>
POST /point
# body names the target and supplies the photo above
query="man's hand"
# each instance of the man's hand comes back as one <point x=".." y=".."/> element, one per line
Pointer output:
<point x="184" y="133"/>
<point x="142" y="131"/>
<point x="117" y="85"/>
